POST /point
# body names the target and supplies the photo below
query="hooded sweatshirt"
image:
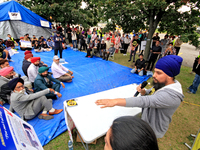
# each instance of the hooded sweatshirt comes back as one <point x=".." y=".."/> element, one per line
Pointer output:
<point x="159" y="107"/>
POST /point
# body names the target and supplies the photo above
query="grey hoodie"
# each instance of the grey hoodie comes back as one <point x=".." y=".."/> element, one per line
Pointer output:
<point x="159" y="107"/>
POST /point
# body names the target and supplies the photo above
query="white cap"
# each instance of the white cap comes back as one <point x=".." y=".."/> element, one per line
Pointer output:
<point x="56" y="57"/>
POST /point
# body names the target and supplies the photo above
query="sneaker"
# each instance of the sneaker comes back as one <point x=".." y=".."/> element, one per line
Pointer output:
<point x="45" y="116"/>
<point x="190" y="92"/>
<point x="57" y="111"/>
<point x="10" y="60"/>
<point x="133" y="61"/>
<point x="129" y="60"/>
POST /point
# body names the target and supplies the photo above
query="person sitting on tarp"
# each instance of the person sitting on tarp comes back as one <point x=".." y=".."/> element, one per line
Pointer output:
<point x="27" y="62"/>
<point x="28" y="104"/>
<point x="37" y="47"/>
<point x="4" y="63"/>
<point x="45" y="47"/>
<point x="139" y="66"/>
<point x="4" y="54"/>
<point x="25" y="43"/>
<point x="5" y="75"/>
<point x="60" y="72"/>
<point x="33" y="40"/>
<point x="44" y="81"/>
<point x="9" y="43"/>
<point x="109" y="52"/>
<point x="12" y="39"/>
<point x="50" y="43"/>
<point x="32" y="70"/>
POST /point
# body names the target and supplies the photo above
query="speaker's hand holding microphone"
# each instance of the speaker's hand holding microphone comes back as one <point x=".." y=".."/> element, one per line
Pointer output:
<point x="140" y="89"/>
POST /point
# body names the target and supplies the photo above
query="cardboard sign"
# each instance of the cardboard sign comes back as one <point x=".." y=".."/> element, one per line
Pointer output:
<point x="44" y="23"/>
<point x="16" y="134"/>
<point x="14" y="15"/>
<point x="25" y="44"/>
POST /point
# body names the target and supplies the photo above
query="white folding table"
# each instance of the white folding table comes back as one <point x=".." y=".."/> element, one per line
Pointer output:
<point x="90" y="120"/>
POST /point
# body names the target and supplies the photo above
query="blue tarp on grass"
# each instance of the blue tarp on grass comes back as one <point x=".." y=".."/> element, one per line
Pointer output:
<point x="91" y="75"/>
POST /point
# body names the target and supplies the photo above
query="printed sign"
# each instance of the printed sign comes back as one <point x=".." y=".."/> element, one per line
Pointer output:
<point x="26" y="44"/>
<point x="44" y="23"/>
<point x="14" y="15"/>
<point x="16" y="134"/>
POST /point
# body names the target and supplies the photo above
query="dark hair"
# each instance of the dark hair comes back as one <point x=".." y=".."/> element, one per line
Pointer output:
<point x="170" y="43"/>
<point x="132" y="133"/>
<point x="3" y="61"/>
<point x="141" y="55"/>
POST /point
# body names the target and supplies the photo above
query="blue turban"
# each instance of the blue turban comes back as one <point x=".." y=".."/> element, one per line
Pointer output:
<point x="170" y="65"/>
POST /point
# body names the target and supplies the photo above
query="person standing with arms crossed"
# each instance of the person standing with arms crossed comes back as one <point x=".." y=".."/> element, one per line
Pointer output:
<point x="58" y="44"/>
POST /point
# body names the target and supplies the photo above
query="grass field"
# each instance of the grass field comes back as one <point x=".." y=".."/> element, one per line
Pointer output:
<point x="186" y="119"/>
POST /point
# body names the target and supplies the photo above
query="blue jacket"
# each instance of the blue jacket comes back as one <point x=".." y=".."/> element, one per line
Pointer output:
<point x="58" y="42"/>
<point x="41" y="84"/>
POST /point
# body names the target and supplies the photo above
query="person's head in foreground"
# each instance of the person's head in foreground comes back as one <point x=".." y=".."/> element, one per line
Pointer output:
<point x="130" y="133"/>
<point x="165" y="70"/>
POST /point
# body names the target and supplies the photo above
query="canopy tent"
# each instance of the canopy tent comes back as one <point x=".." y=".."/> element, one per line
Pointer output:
<point x="17" y="20"/>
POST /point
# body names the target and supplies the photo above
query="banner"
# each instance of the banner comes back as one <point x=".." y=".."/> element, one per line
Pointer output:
<point x="14" y="15"/>
<point x="26" y="44"/>
<point x="44" y="23"/>
<point x="16" y="134"/>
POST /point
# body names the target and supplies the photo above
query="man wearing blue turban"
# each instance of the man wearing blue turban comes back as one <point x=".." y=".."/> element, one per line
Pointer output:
<point x="158" y="107"/>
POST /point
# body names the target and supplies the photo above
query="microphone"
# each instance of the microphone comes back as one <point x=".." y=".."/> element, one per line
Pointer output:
<point x="142" y="86"/>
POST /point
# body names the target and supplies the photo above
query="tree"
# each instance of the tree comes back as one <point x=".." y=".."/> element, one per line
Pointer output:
<point x="151" y="14"/>
<point x="65" y="11"/>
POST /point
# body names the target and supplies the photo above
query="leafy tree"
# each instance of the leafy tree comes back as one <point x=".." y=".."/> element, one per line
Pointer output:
<point x="65" y="11"/>
<point x="151" y="14"/>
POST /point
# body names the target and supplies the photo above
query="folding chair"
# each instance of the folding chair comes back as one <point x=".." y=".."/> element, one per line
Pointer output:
<point x="111" y="56"/>
<point x="196" y="144"/>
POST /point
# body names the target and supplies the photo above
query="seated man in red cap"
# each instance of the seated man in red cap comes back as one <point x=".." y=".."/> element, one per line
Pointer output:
<point x="28" y="104"/>
<point x="27" y="62"/>
<point x="44" y="81"/>
<point x="32" y="70"/>
<point x="5" y="75"/>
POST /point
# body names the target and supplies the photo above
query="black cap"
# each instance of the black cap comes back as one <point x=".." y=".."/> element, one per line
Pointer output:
<point x="57" y="32"/>
<point x="12" y="84"/>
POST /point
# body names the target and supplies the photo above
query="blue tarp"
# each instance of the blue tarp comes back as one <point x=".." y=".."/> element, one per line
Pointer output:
<point x="91" y="75"/>
<point x="27" y="15"/>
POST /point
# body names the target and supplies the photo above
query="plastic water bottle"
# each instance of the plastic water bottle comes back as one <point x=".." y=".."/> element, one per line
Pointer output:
<point x="70" y="145"/>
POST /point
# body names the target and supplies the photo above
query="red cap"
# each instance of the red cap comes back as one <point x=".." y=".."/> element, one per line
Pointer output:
<point x="34" y="59"/>
<point x="108" y="38"/>
<point x="27" y="56"/>
<point x="5" y="71"/>
<point x="27" y="52"/>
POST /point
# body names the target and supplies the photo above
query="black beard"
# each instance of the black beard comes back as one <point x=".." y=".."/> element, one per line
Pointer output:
<point x="44" y="75"/>
<point x="158" y="85"/>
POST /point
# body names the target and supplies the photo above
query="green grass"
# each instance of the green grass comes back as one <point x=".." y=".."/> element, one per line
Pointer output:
<point x="186" y="119"/>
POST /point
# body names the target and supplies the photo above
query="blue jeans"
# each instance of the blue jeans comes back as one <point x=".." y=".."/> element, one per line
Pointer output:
<point x="193" y="88"/>
<point x="4" y="56"/>
<point x="140" y="73"/>
<point x="74" y="42"/>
